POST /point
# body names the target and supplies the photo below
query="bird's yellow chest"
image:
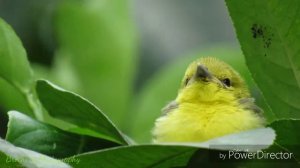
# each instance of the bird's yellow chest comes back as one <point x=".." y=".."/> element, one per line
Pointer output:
<point x="200" y="122"/>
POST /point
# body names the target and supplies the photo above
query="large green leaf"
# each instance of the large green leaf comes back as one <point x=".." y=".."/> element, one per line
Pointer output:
<point x="163" y="88"/>
<point x="288" y="136"/>
<point x="169" y="155"/>
<point x="86" y="118"/>
<point x="11" y="156"/>
<point x="30" y="134"/>
<point x="98" y="37"/>
<point x="137" y="157"/>
<point x="269" y="35"/>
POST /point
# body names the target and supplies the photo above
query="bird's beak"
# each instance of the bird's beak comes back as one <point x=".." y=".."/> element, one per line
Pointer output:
<point x="203" y="73"/>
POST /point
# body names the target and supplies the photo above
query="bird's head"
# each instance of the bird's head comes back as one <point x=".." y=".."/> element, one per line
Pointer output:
<point x="211" y="80"/>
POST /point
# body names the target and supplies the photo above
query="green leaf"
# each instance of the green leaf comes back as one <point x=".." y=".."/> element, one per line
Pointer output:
<point x="269" y="35"/>
<point x="11" y="156"/>
<point x="137" y="157"/>
<point x="169" y="155"/>
<point x="11" y="98"/>
<point x="30" y="134"/>
<point x="15" y="68"/>
<point x="86" y="118"/>
<point x="14" y="64"/>
<point x="288" y="136"/>
<point x="166" y="84"/>
<point x="99" y="39"/>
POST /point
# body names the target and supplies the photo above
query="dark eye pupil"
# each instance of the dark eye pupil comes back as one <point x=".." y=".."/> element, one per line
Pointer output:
<point x="226" y="81"/>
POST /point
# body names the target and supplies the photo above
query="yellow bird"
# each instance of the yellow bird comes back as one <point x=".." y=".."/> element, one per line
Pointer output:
<point x="213" y="101"/>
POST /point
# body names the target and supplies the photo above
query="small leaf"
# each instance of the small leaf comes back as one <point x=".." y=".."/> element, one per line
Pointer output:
<point x="268" y="32"/>
<point x="11" y="156"/>
<point x="30" y="134"/>
<point x="15" y="68"/>
<point x="14" y="64"/>
<point x="86" y="118"/>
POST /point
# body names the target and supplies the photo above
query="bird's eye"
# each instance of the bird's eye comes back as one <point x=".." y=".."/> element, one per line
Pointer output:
<point x="186" y="81"/>
<point x="227" y="82"/>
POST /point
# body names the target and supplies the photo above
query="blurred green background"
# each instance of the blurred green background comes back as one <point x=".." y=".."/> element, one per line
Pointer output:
<point x="127" y="57"/>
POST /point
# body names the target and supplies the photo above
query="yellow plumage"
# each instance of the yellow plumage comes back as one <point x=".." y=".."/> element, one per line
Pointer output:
<point x="213" y="101"/>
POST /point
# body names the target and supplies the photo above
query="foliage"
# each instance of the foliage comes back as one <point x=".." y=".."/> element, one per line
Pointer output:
<point x="12" y="156"/>
<point x="28" y="133"/>
<point x="270" y="43"/>
<point x="96" y="58"/>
